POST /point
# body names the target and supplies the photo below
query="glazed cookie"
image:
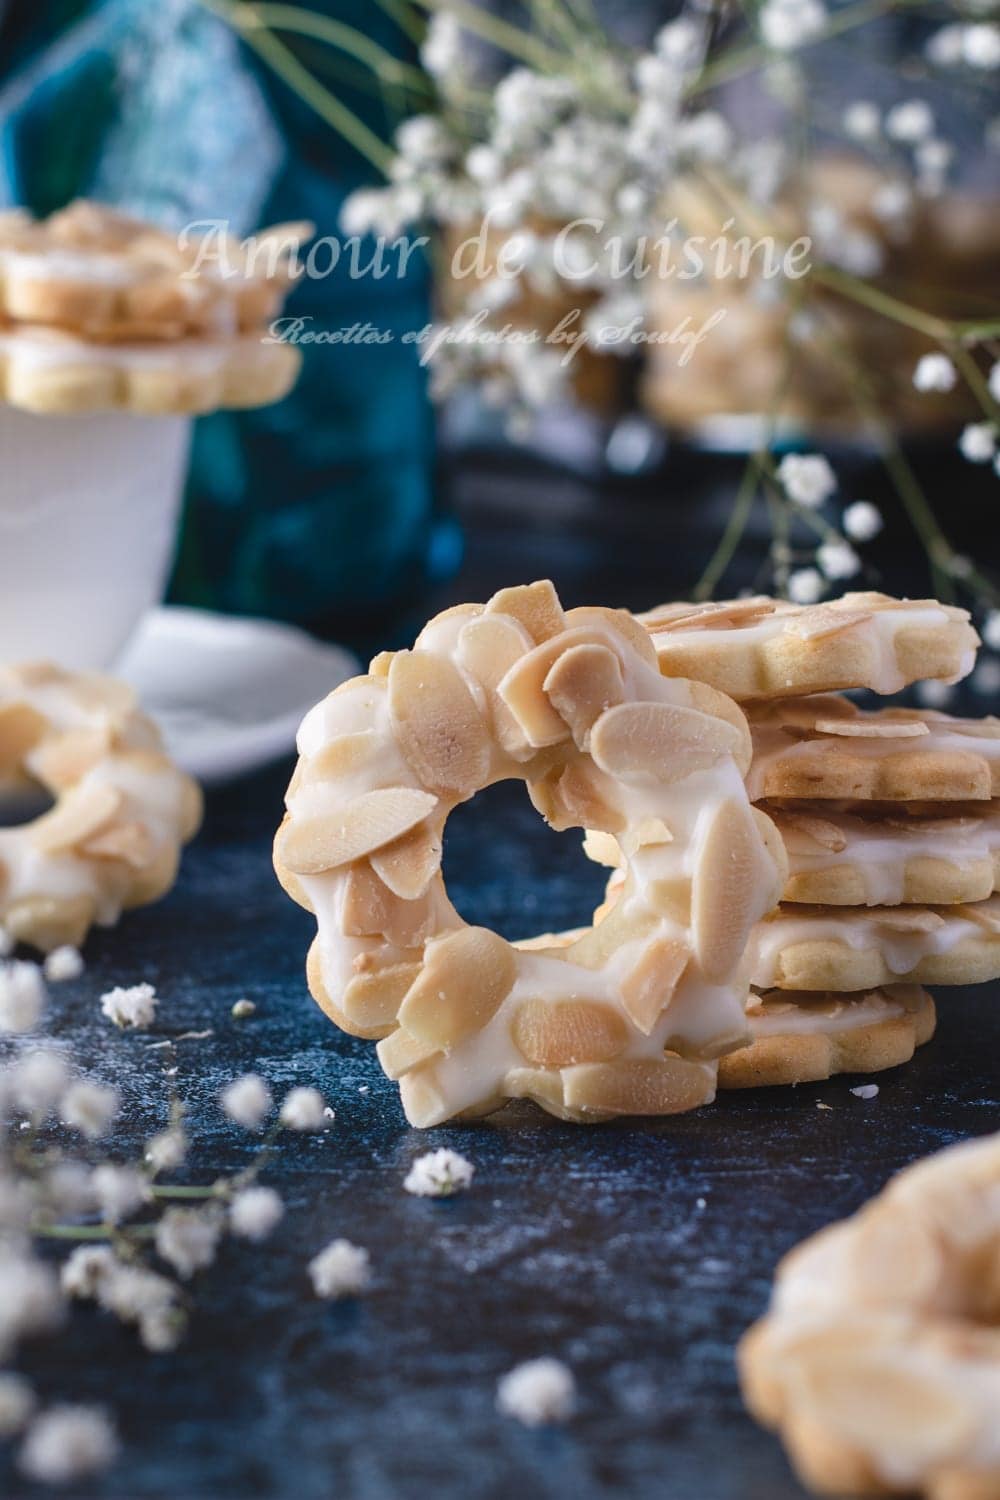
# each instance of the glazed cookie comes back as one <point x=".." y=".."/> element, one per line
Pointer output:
<point x="47" y="371"/>
<point x="109" y="276"/>
<point x="805" y="1037"/>
<point x="830" y="948"/>
<point x="878" y="1360"/>
<point x="768" y="648"/>
<point x="122" y="809"/>
<point x="850" y="859"/>
<point x="827" y="747"/>
<point x="628" y="1019"/>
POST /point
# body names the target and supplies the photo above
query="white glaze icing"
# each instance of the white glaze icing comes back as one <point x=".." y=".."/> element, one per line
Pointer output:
<point x="784" y="1013"/>
<point x="46" y="348"/>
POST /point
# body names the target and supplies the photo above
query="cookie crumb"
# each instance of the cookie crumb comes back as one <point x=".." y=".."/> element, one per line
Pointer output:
<point x="865" y="1091"/>
<point x="242" y="1009"/>
<point x="821" y="1105"/>
<point x="341" y="1270"/>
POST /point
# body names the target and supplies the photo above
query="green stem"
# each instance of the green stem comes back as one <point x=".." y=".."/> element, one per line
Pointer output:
<point x="405" y="18"/>
<point x="881" y="302"/>
<point x="975" y="381"/>
<point x="298" y="78"/>
<point x="337" y="34"/>
<point x="214" y="1191"/>
<point x="732" y="535"/>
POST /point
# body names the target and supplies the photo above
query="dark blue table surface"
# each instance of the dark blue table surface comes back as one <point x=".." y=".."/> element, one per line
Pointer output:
<point x="586" y="1244"/>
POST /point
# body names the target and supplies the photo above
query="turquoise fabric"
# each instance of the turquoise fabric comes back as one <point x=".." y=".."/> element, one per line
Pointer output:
<point x="322" y="507"/>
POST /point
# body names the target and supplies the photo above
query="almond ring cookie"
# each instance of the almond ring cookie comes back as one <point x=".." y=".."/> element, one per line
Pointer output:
<point x="821" y="948"/>
<point x="806" y="1037"/>
<point x="122" y="809"/>
<point x="879" y="1358"/>
<point x="108" y="275"/>
<point x="48" y="371"/>
<point x="840" y="858"/>
<point x="827" y="747"/>
<point x="628" y="1019"/>
<point x="769" y="648"/>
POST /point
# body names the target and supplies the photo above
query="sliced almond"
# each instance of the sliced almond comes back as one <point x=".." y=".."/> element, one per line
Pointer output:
<point x="827" y="835"/>
<point x="399" y="1053"/>
<point x="640" y="1087"/>
<point x="408" y="865"/>
<point x="523" y="687"/>
<point x="620" y="621"/>
<point x="673" y="898"/>
<point x="307" y="846"/>
<point x="109" y="695"/>
<point x="574" y="798"/>
<point x="725" y="615"/>
<point x="534" y="605"/>
<point x="47" y="922"/>
<point x="372" y="999"/>
<point x="911" y="919"/>
<point x="130" y="842"/>
<point x="487" y="648"/>
<point x="379" y="665"/>
<point x="583" y="682"/>
<point x="559" y="1033"/>
<point x="21" y="728"/>
<point x="623" y="924"/>
<point x="541" y="1087"/>
<point x="341" y="757"/>
<point x="437" y="724"/>
<point x="66" y="758"/>
<point x="76" y="817"/>
<point x="872" y="729"/>
<point x="370" y="909"/>
<point x="660" y="740"/>
<point x="465" y="979"/>
<point x="814" y="625"/>
<point x="724" y="889"/>
<point x="649" y="988"/>
<point x="422" y="1098"/>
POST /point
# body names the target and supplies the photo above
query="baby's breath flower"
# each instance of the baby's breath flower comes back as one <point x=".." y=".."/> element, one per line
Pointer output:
<point x="990" y="629"/>
<point x="86" y="1269"/>
<point x="303" y="1109"/>
<point x="978" y="442"/>
<point x="805" y="586"/>
<point x="838" y="559"/>
<point x="242" y="1009"/>
<point x="68" y="1189"/>
<point x="935" y="372"/>
<point x="17" y="1204"/>
<point x="994" y="382"/>
<point x="130" y="1006"/>
<point x="29" y="1299"/>
<point x="63" y="963"/>
<point x="187" y="1238"/>
<point x="254" y="1212"/>
<point x="167" y="1149"/>
<point x="862" y="521"/>
<point x="438" y="1174"/>
<point x="944" y="49"/>
<point x="246" y="1101"/>
<point x="119" y="1191"/>
<point x="67" y="1443"/>
<point x="935" y="694"/>
<point x="862" y="120"/>
<point x="17" y="1402"/>
<point x="911" y="121"/>
<point x="981" y="46"/>
<point x="807" y="478"/>
<point x="22" y="996"/>
<point x="538" y="1392"/>
<point x="36" y="1082"/>
<point x="341" y="1270"/>
<point x="986" y="677"/>
<point x="787" y="25"/>
<point x="442" y="51"/>
<point x="89" y="1108"/>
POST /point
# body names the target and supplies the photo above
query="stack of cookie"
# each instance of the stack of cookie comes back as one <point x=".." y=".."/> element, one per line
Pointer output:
<point x="892" y="836"/>
<point x="100" y="311"/>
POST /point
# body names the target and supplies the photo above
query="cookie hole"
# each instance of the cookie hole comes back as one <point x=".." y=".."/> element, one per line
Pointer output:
<point x="507" y="870"/>
<point x="22" y="803"/>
